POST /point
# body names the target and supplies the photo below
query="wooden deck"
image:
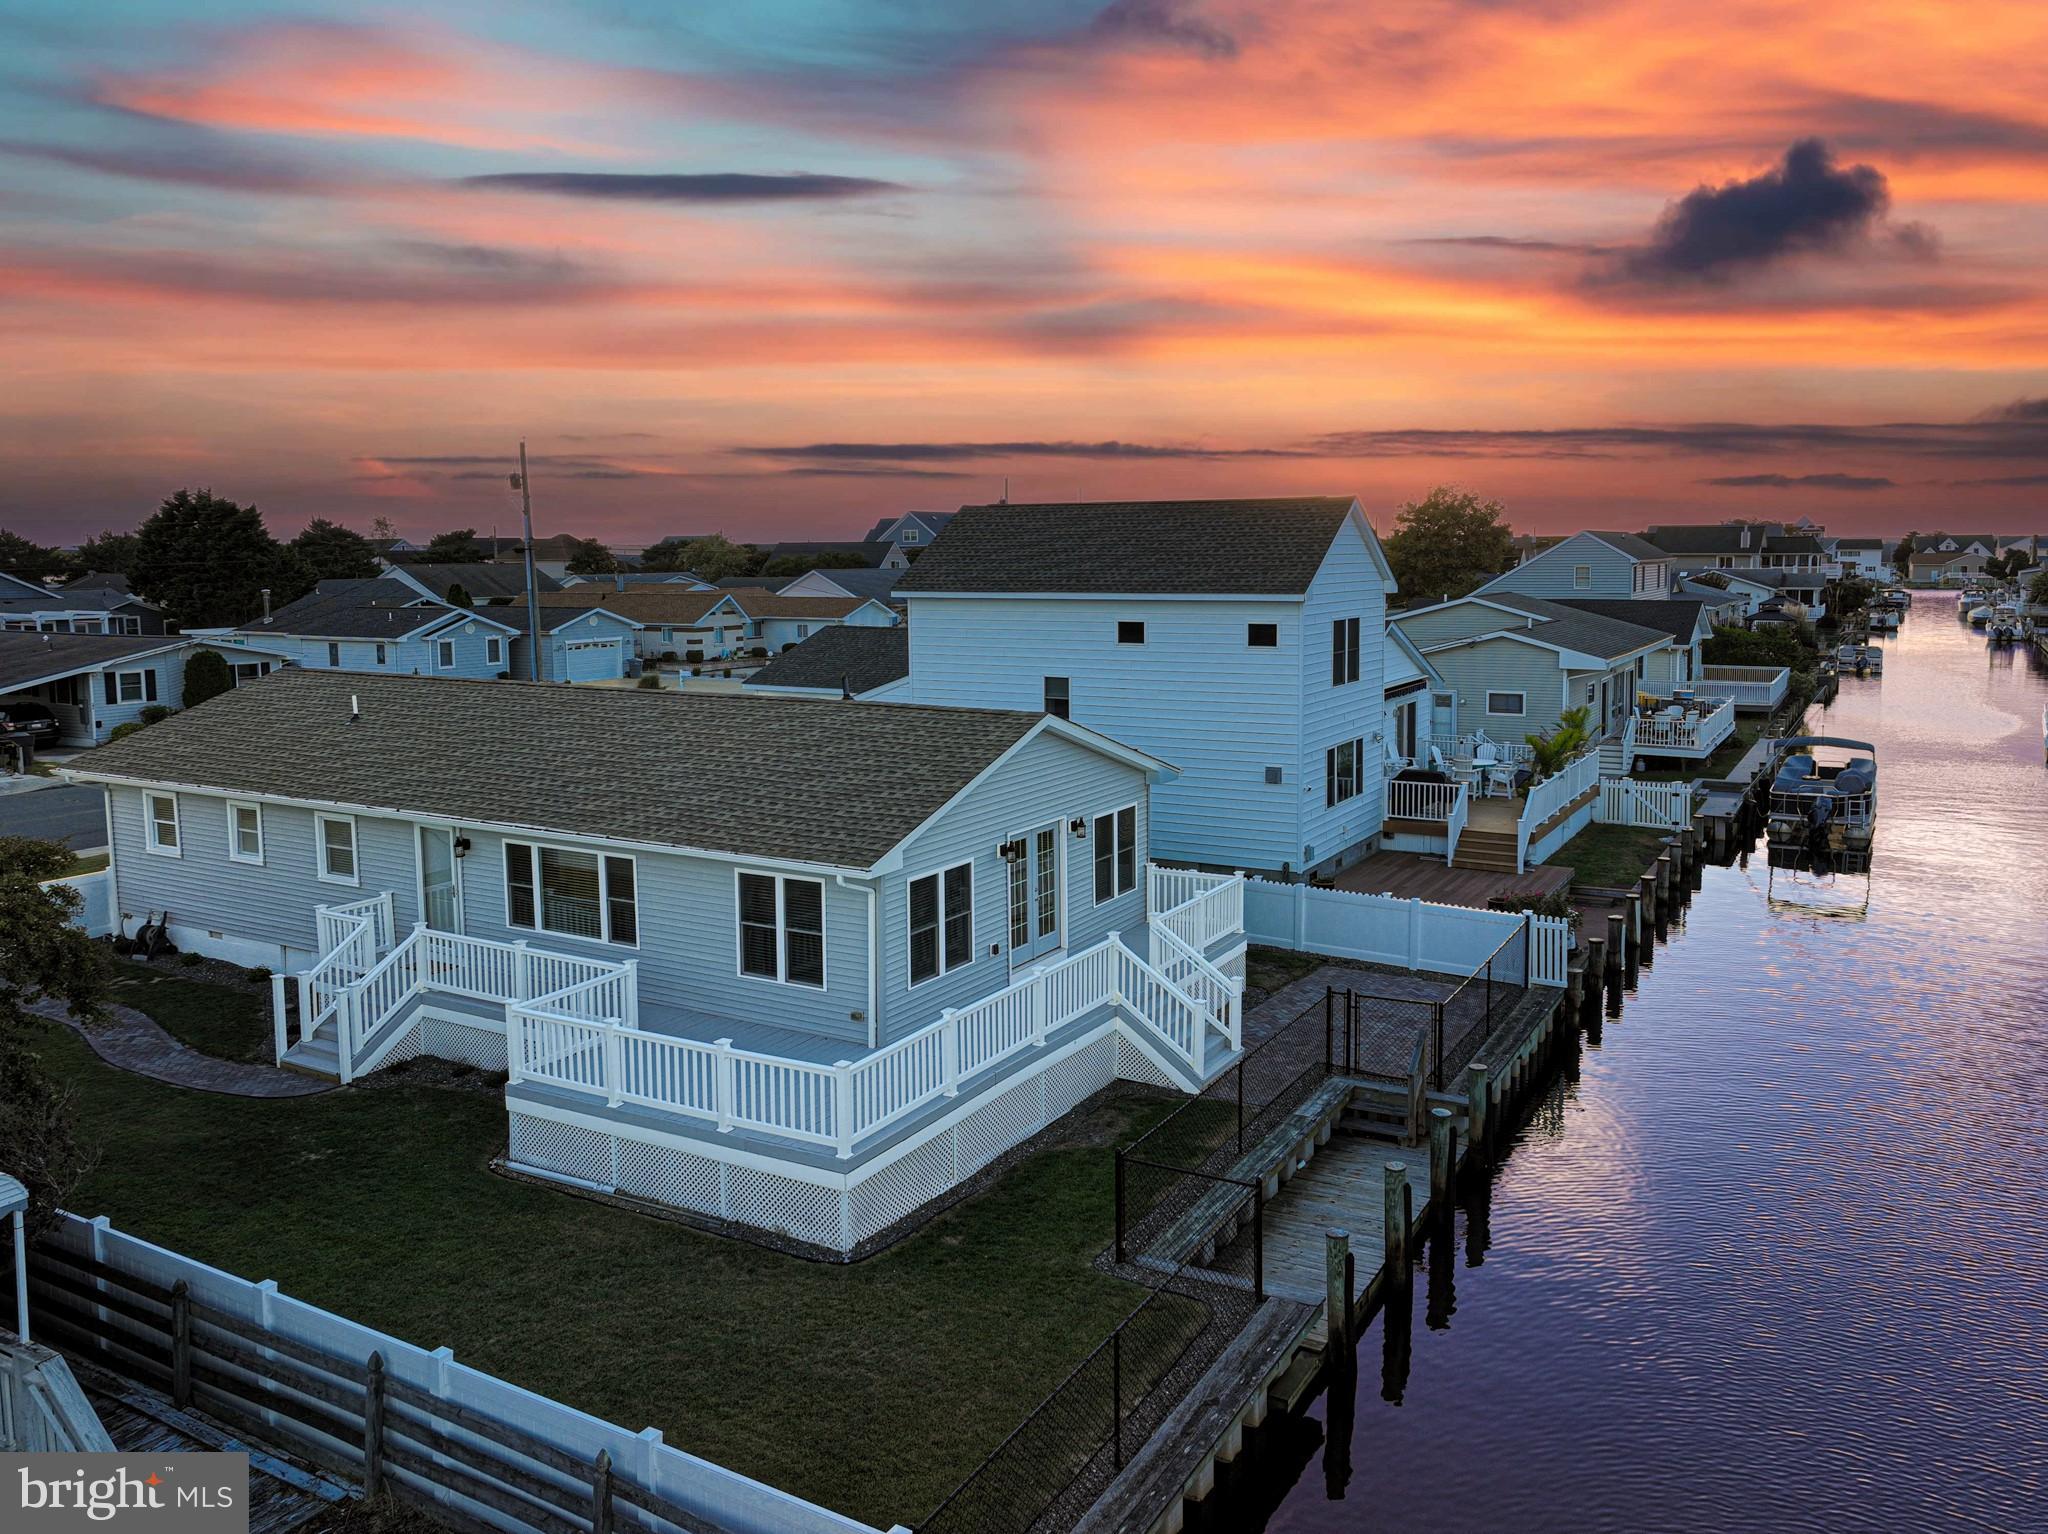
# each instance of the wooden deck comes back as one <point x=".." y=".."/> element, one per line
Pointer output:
<point x="1412" y="874"/>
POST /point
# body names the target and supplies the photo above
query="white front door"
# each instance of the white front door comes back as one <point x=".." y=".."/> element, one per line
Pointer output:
<point x="440" y="884"/>
<point x="1035" y="895"/>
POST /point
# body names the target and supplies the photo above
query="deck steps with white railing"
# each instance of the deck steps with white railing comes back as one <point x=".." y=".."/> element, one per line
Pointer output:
<point x="315" y="1056"/>
<point x="1493" y="851"/>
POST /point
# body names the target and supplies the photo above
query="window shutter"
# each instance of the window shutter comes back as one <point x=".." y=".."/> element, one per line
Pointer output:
<point x="108" y="678"/>
<point x="149" y="686"/>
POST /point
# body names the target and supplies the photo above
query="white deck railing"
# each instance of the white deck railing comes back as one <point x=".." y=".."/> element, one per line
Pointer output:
<point x="1750" y="687"/>
<point x="1691" y="735"/>
<point x="1409" y="799"/>
<point x="1549" y="798"/>
<point x="840" y="1105"/>
<point x="1463" y="748"/>
<point x="42" y="1410"/>
<point x="1200" y="909"/>
<point x="359" y="931"/>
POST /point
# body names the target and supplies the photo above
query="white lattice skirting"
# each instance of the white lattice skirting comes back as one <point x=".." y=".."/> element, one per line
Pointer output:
<point x="451" y="1036"/>
<point x="835" y="1210"/>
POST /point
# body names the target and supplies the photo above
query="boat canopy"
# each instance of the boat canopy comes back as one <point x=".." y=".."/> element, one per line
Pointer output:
<point x="1808" y="742"/>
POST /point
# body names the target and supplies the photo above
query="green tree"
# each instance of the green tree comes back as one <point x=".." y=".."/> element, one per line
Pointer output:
<point x="331" y="552"/>
<point x="592" y="558"/>
<point x="109" y="553"/>
<point x="205" y="560"/>
<point x="457" y="595"/>
<point x="2037" y="592"/>
<point x="798" y="564"/>
<point x="716" y="557"/>
<point x="1551" y="752"/>
<point x="1902" y="555"/>
<point x="1447" y="543"/>
<point x="43" y="957"/>
<point x="457" y="548"/>
<point x="30" y="560"/>
<point x="206" y="676"/>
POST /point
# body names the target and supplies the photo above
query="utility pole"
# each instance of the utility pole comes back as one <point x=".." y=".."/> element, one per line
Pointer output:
<point x="533" y="634"/>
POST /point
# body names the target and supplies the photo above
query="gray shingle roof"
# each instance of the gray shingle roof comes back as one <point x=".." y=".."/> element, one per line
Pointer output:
<point x="26" y="658"/>
<point x="483" y="582"/>
<point x="1631" y="545"/>
<point x="876" y="585"/>
<point x="861" y="658"/>
<point x="1257" y="547"/>
<point x="816" y="780"/>
<point x="1679" y="618"/>
<point x="1709" y="538"/>
<point x="375" y="608"/>
<point x="1590" y="633"/>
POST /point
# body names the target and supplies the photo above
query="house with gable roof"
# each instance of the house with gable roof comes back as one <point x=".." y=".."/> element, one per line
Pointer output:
<point x="805" y="966"/>
<point x="1242" y="640"/>
<point x="1589" y="565"/>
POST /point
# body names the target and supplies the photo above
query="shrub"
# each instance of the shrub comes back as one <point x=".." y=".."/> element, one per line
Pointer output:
<point x="206" y="676"/>
<point x="188" y="958"/>
<point x="650" y="682"/>
<point x="1555" y="903"/>
<point x="257" y="974"/>
<point x="1551" y="752"/>
<point x="156" y="713"/>
<point x="669" y="656"/>
<point x="121" y="731"/>
<point x="760" y="652"/>
<point x="694" y="657"/>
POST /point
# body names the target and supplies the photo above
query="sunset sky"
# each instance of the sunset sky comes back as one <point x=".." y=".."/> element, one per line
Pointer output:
<point x="779" y="267"/>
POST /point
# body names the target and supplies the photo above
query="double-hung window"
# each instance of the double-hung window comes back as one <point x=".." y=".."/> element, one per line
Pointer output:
<point x="333" y="656"/>
<point x="444" y="654"/>
<point x="1343" y="651"/>
<point x="1058" y="697"/>
<point x="494" y="650"/>
<point x="335" y="845"/>
<point x="381" y="653"/>
<point x="1341" y="776"/>
<point x="1582" y="577"/>
<point x="160" y="812"/>
<point x="782" y="929"/>
<point x="245" y="832"/>
<point x="1116" y="853"/>
<point x="130" y="686"/>
<point x="941" y="922"/>
<point x="571" y="891"/>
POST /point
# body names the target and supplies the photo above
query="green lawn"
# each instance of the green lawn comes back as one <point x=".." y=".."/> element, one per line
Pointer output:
<point x="212" y="1019"/>
<point x="873" y="1388"/>
<point x="1609" y="857"/>
<point x="84" y="863"/>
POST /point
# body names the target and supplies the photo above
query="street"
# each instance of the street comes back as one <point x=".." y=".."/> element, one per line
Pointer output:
<point x="74" y="814"/>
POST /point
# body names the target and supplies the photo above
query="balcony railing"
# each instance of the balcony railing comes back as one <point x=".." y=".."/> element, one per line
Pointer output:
<point x="1694" y="734"/>
<point x="1747" y="687"/>
<point x="1549" y="798"/>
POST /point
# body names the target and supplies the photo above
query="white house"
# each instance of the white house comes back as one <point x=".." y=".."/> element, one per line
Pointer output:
<point x="1243" y="641"/>
<point x="1589" y="565"/>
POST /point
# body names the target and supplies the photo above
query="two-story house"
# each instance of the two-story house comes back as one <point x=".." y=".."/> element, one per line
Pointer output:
<point x="1243" y="641"/>
<point x="382" y="625"/>
<point x="1590" y="565"/>
<point x="805" y="965"/>
<point x="911" y="532"/>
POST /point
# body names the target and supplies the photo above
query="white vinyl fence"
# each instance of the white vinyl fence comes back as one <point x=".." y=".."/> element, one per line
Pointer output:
<point x="1407" y="934"/>
<point x="466" y="1405"/>
<point x="1654" y="806"/>
<point x="95" y="901"/>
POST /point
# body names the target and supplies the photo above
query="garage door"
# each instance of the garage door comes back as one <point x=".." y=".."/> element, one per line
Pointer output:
<point x="593" y="660"/>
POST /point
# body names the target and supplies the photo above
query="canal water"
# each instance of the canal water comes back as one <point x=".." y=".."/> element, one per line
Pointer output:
<point x="1773" y="1254"/>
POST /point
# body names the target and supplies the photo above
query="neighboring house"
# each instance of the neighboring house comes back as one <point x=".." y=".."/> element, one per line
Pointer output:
<point x="95" y="683"/>
<point x="579" y="644"/>
<point x="1516" y="663"/>
<point x="806" y="967"/>
<point x="1418" y="704"/>
<point x="1686" y="624"/>
<point x="380" y="624"/>
<point x="775" y="622"/>
<point x="1735" y="598"/>
<point x="1944" y="568"/>
<point x="841" y="661"/>
<point x="674" y="622"/>
<point x="911" y="532"/>
<point x="1863" y="558"/>
<point x="879" y="554"/>
<point x="1243" y="641"/>
<point x="386" y="548"/>
<point x="1804" y="588"/>
<point x="1589" y="565"/>
<point x="879" y="585"/>
<point x="484" y="583"/>
<point x="552" y="554"/>
<point x="88" y="610"/>
<point x="19" y="587"/>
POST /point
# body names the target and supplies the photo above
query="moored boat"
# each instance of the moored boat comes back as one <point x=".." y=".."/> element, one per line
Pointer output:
<point x="1823" y="794"/>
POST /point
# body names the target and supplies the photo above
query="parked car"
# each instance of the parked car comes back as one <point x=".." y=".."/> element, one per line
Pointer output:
<point x="33" y="720"/>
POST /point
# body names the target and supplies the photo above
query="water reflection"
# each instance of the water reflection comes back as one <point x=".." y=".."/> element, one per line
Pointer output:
<point x="1770" y="1257"/>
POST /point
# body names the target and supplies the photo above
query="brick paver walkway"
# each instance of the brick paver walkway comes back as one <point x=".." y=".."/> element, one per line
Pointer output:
<point x="133" y="1041"/>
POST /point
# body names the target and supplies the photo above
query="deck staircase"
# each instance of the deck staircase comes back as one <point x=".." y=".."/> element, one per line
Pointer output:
<point x="1618" y="752"/>
<point x="318" y="1055"/>
<point x="1488" y="848"/>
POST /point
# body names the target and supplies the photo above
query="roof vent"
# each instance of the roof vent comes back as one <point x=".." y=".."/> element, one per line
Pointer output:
<point x="355" y="709"/>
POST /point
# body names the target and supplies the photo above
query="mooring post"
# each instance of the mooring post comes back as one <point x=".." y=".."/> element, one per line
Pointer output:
<point x="1617" y="942"/>
<point x="181" y="1343"/>
<point x="1336" y="1288"/>
<point x="1394" y="1219"/>
<point x="1476" y="1104"/>
<point x="1667" y="876"/>
<point x="601" y="1493"/>
<point x="1647" y="886"/>
<point x="1443" y="1151"/>
<point x="373" y="1427"/>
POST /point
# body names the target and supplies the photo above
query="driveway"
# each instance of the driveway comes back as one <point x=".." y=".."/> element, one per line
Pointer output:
<point x="72" y="813"/>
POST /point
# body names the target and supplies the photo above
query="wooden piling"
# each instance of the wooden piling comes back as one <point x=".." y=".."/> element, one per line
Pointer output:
<point x="373" y="1427"/>
<point x="1443" y="1153"/>
<point x="1337" y="1287"/>
<point x="601" y="1493"/>
<point x="1646" y="887"/>
<point x="1476" y="1088"/>
<point x="181" y="1343"/>
<point x="1667" y="880"/>
<point x="1394" y="1217"/>
<point x="1617" y="942"/>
